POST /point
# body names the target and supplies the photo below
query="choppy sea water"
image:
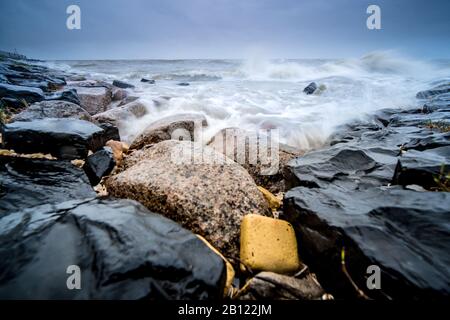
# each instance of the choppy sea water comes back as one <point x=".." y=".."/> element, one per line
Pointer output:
<point x="259" y="94"/>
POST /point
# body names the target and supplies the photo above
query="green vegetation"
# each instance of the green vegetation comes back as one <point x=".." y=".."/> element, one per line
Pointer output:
<point x="442" y="180"/>
<point x="442" y="126"/>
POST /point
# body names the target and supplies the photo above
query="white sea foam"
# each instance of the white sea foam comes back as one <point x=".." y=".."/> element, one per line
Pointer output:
<point x="260" y="94"/>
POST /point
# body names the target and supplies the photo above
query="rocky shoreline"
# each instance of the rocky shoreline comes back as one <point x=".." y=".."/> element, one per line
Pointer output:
<point x="140" y="226"/>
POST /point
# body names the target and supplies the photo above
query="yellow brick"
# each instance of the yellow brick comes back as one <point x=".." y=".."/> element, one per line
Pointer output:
<point x="268" y="244"/>
<point x="230" y="270"/>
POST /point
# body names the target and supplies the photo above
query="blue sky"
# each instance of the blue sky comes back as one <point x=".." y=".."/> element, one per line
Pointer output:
<point x="174" y="29"/>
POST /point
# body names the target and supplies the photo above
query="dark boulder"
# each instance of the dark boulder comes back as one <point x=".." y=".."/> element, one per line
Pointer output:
<point x="99" y="164"/>
<point x="29" y="94"/>
<point x="406" y="233"/>
<point x="111" y="132"/>
<point x="25" y="183"/>
<point x="121" y="84"/>
<point x="69" y="95"/>
<point x="341" y="198"/>
<point x="443" y="88"/>
<point x="421" y="167"/>
<point x="183" y="84"/>
<point x="52" y="109"/>
<point x="123" y="251"/>
<point x="13" y="104"/>
<point x="149" y="81"/>
<point x="63" y="138"/>
<point x="310" y="88"/>
<point x="273" y="286"/>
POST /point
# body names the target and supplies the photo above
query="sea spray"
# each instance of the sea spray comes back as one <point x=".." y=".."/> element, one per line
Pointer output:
<point x="262" y="94"/>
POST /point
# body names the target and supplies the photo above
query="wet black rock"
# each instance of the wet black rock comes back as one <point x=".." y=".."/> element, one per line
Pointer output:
<point x="13" y="103"/>
<point x="272" y="286"/>
<point x="310" y="88"/>
<point x="123" y="251"/>
<point x="121" y="84"/>
<point x="69" y="95"/>
<point x="25" y="183"/>
<point x="149" y="81"/>
<point x="63" y="138"/>
<point x="443" y="88"/>
<point x="406" y="233"/>
<point x="183" y="84"/>
<point x="111" y="132"/>
<point x="52" y="109"/>
<point x="342" y="196"/>
<point x="421" y="167"/>
<point x="29" y="94"/>
<point x="99" y="164"/>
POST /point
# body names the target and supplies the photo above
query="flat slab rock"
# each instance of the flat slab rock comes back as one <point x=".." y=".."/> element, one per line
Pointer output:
<point x="63" y="138"/>
<point x="404" y="232"/>
<point x="25" y="183"/>
<point x="52" y="109"/>
<point x="123" y="251"/>
<point x="206" y="197"/>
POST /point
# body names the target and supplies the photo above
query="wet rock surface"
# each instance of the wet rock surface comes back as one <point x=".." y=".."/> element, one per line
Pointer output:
<point x="122" y="84"/>
<point x="52" y="109"/>
<point x="29" y="94"/>
<point x="310" y="88"/>
<point x="94" y="99"/>
<point x="180" y="125"/>
<point x="99" y="164"/>
<point x="273" y="286"/>
<point x="63" y="138"/>
<point x="25" y="183"/>
<point x="119" y="114"/>
<point x="209" y="197"/>
<point x="357" y="194"/>
<point x="123" y="251"/>
<point x="262" y="157"/>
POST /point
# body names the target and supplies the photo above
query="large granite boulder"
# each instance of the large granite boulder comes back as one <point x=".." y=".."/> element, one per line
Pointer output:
<point x="29" y="94"/>
<point x="25" y="183"/>
<point x="262" y="156"/>
<point x="63" y="138"/>
<point x="115" y="116"/>
<point x="194" y="185"/>
<point x="165" y="128"/>
<point x="121" y="250"/>
<point x="52" y="109"/>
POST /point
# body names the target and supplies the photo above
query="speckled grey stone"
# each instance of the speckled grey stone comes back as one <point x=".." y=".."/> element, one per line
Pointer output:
<point x="162" y="129"/>
<point x="116" y="115"/>
<point x="226" y="142"/>
<point x="207" y="198"/>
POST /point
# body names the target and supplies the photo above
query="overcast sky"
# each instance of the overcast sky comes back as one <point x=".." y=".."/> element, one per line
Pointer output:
<point x="173" y="29"/>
